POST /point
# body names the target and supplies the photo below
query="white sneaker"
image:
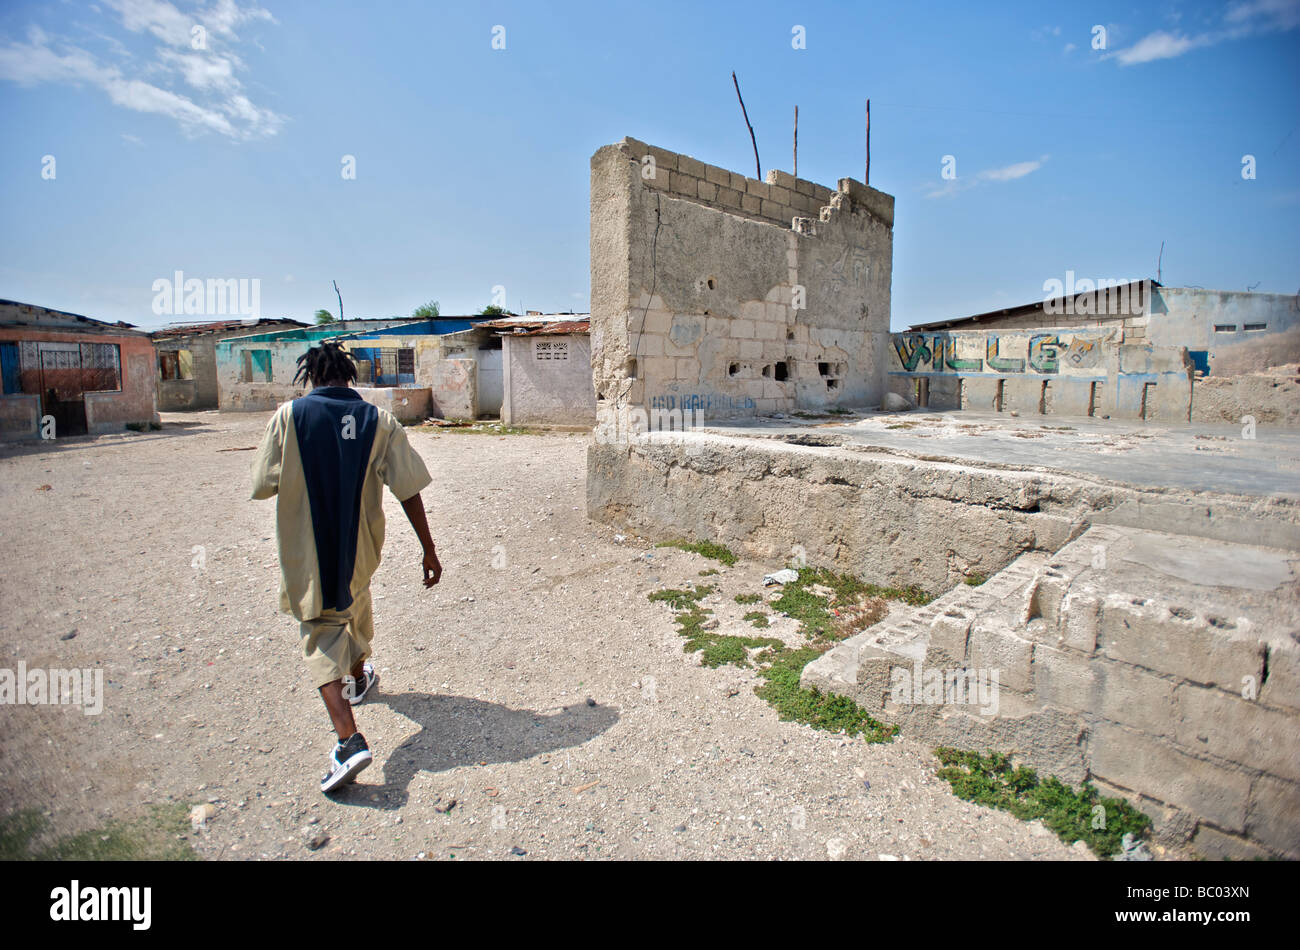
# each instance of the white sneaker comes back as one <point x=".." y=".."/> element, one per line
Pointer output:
<point x="347" y="759"/>
<point x="352" y="693"/>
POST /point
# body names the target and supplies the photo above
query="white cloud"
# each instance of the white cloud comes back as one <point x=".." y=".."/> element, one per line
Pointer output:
<point x="1159" y="45"/>
<point x="1240" y="20"/>
<point x="216" y="103"/>
<point x="1011" y="172"/>
<point x="1005" y="173"/>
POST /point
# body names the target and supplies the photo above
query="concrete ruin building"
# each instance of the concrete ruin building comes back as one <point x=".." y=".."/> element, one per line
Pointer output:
<point x="86" y="375"/>
<point x="726" y="297"/>
<point x="1140" y="595"/>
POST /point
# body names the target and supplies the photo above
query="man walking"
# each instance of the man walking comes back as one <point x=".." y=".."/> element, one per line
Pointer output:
<point x="326" y="456"/>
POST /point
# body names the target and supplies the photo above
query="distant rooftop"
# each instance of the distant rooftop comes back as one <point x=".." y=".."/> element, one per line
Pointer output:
<point x="1025" y="309"/>
<point x="222" y="326"/>
<point x="538" y="324"/>
<point x="90" y="322"/>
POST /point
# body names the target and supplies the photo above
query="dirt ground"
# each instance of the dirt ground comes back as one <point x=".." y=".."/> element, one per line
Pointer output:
<point x="536" y="686"/>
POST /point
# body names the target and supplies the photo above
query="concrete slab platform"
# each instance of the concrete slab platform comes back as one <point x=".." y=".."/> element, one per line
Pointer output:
<point x="1195" y="456"/>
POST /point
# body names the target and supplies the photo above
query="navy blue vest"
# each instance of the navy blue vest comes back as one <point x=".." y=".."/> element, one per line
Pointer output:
<point x="336" y="429"/>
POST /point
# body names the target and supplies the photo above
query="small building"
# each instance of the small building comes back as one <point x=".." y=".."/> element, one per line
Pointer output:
<point x="547" y="370"/>
<point x="1135" y="350"/>
<point x="187" y="359"/>
<point x="85" y="376"/>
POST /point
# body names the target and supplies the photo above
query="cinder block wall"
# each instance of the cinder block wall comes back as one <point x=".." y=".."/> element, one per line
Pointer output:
<point x="716" y="293"/>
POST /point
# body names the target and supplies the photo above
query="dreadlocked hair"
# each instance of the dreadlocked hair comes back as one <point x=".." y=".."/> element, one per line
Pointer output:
<point x="328" y="362"/>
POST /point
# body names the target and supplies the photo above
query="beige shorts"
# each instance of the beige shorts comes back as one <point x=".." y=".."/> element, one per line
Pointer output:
<point x="336" y="641"/>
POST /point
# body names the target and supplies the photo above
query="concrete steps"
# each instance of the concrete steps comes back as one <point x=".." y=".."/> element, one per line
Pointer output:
<point x="1161" y="667"/>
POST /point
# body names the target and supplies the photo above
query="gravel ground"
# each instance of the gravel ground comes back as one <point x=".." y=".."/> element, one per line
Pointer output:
<point x="536" y="686"/>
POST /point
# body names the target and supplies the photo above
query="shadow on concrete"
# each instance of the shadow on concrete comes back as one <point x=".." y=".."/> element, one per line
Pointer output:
<point x="458" y="730"/>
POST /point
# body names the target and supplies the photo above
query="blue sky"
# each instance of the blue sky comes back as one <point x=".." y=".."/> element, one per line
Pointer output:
<point x="472" y="162"/>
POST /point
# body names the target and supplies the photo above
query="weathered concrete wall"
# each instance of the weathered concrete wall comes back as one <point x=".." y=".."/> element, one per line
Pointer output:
<point x="455" y="388"/>
<point x="887" y="518"/>
<point x="1162" y="668"/>
<point x="549" y="385"/>
<point x="716" y="292"/>
<point x="238" y="394"/>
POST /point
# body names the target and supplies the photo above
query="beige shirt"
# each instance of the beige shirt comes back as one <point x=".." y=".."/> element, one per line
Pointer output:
<point x="277" y="470"/>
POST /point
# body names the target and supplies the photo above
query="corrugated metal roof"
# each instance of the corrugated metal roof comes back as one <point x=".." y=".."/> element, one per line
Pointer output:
<point x="101" y="325"/>
<point x="221" y="326"/>
<point x="535" y="326"/>
<point x="565" y="326"/>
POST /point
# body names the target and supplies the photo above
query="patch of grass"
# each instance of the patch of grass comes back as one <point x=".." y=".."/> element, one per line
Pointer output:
<point x="151" y="837"/>
<point x="709" y="573"/>
<point x="19" y="832"/>
<point x="718" y="552"/>
<point x="681" y="599"/>
<point x="974" y="580"/>
<point x="991" y="780"/>
<point x="487" y="428"/>
<point x="851" y="599"/>
<point x="824" y="711"/>
<point x="779" y="665"/>
<point x="901" y="425"/>
<point x="715" y="648"/>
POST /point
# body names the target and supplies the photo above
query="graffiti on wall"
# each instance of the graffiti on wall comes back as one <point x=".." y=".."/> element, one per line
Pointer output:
<point x="994" y="354"/>
<point x="701" y="402"/>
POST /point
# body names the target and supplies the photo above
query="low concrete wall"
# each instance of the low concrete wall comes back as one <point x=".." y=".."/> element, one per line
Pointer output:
<point x="886" y="518"/>
<point x="20" y="416"/>
<point x="409" y="405"/>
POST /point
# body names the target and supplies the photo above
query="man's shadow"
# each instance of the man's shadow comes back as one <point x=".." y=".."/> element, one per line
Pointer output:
<point x="458" y="730"/>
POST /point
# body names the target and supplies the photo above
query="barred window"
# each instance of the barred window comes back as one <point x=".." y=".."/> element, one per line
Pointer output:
<point x="552" y="349"/>
<point x="101" y="369"/>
